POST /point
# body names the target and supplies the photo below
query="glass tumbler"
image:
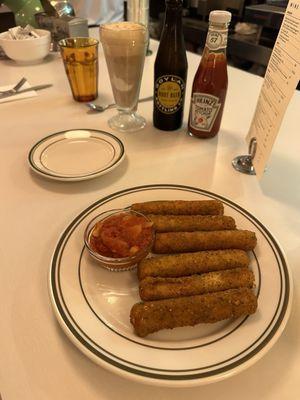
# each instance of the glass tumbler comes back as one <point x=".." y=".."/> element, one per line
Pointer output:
<point x="124" y="45"/>
<point x="80" y="57"/>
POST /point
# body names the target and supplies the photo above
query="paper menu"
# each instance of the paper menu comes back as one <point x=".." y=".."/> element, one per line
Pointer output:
<point x="281" y="79"/>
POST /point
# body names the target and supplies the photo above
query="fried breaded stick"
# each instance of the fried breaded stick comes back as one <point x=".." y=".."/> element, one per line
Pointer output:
<point x="190" y="223"/>
<point x="192" y="263"/>
<point x="178" y="242"/>
<point x="153" y="316"/>
<point x="165" y="288"/>
<point x="180" y="207"/>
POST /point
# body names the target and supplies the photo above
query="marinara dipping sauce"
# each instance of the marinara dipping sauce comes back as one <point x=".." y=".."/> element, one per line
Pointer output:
<point x="119" y="238"/>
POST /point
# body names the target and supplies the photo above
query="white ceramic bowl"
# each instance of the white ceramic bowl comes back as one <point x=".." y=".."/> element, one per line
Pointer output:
<point x="27" y="51"/>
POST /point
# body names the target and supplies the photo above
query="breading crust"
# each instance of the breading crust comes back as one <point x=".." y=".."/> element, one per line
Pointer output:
<point x="152" y="316"/>
<point x="190" y="223"/>
<point x="178" y="242"/>
<point x="192" y="263"/>
<point x="163" y="288"/>
<point x="180" y="207"/>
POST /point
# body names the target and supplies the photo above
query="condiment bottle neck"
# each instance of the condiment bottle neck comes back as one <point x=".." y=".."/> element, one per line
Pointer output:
<point x="216" y="40"/>
<point x="173" y="16"/>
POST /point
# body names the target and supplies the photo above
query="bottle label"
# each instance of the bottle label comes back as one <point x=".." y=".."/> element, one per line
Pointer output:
<point x="217" y="39"/>
<point x="169" y="93"/>
<point x="204" y="111"/>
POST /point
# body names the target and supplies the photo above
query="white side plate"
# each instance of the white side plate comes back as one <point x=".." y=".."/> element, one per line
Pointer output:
<point x="76" y="155"/>
<point x="93" y="305"/>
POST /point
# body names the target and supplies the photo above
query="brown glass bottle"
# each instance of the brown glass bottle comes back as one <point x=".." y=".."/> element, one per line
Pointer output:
<point x="170" y="71"/>
<point x="211" y="81"/>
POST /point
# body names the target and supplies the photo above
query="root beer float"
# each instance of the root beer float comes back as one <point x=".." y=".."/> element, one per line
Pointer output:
<point x="116" y="40"/>
<point x="124" y="45"/>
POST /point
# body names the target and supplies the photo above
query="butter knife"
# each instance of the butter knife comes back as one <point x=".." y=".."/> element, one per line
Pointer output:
<point x="37" y="87"/>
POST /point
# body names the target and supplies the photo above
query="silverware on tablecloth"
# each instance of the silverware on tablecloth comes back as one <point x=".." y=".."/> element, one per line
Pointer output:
<point x="13" y="90"/>
<point x="38" y="87"/>
<point x="98" y="108"/>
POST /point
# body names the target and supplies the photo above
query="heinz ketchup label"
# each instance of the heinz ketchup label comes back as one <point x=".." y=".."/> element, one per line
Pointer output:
<point x="204" y="111"/>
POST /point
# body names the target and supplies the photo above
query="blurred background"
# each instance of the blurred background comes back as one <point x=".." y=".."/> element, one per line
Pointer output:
<point x="253" y="30"/>
<point x="252" y="34"/>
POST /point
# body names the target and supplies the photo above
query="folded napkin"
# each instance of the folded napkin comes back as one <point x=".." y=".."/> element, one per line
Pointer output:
<point x="20" y="96"/>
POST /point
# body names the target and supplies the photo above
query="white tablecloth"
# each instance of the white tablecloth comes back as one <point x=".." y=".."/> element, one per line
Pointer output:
<point x="37" y="360"/>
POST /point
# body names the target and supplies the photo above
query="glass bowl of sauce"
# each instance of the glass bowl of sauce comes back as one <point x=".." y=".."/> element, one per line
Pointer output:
<point x="119" y="239"/>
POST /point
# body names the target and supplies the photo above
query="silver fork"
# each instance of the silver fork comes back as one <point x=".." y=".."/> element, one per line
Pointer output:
<point x="14" y="89"/>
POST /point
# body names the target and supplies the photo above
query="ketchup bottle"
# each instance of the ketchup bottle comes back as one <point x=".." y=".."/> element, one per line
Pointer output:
<point x="210" y="82"/>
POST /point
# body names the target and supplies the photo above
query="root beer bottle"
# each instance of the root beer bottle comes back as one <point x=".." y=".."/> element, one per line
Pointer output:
<point x="170" y="71"/>
<point x="210" y="82"/>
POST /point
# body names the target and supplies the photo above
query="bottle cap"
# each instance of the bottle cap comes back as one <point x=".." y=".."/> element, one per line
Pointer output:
<point x="220" y="16"/>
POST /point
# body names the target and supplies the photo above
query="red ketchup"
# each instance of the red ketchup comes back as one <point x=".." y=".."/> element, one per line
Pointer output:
<point x="210" y="82"/>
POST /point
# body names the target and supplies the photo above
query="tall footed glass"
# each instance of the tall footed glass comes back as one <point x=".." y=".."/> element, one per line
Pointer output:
<point x="124" y="45"/>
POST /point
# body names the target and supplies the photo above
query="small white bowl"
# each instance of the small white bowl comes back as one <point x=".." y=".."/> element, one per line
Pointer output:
<point x="27" y="51"/>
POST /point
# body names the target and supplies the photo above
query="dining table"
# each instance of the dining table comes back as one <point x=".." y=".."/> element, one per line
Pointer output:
<point x="38" y="359"/>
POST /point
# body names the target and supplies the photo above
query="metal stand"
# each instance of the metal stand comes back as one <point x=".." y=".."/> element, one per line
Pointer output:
<point x="244" y="163"/>
<point x="149" y="52"/>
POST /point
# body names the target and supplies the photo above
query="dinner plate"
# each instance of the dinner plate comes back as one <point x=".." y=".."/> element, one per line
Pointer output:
<point x="76" y="155"/>
<point x="93" y="304"/>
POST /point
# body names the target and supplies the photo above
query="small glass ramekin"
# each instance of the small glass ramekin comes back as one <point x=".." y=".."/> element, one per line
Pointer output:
<point x="111" y="263"/>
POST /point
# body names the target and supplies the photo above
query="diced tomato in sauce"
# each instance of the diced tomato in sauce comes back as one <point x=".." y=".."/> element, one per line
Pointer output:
<point x="121" y="235"/>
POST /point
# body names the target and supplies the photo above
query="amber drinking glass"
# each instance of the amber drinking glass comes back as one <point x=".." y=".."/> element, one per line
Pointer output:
<point x="80" y="57"/>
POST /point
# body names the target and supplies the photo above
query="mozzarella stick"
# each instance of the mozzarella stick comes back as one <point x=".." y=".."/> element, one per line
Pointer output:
<point x="164" y="288"/>
<point x="190" y="223"/>
<point x="180" y="207"/>
<point x="152" y="316"/>
<point x="178" y="242"/>
<point x="192" y="263"/>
